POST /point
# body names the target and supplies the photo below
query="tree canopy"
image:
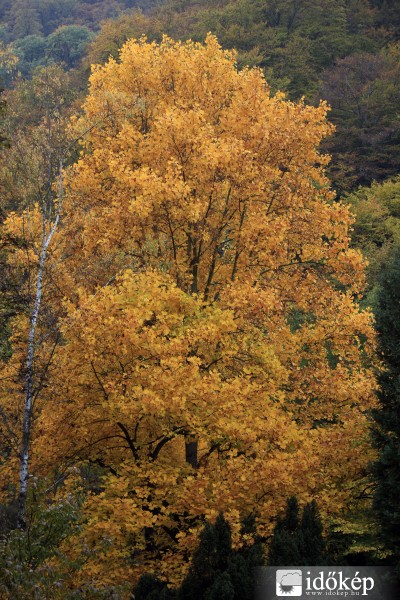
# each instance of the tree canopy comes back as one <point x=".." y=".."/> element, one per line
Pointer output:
<point x="213" y="353"/>
<point x="198" y="337"/>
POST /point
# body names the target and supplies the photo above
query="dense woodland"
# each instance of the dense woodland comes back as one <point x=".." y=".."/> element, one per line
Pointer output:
<point x="200" y="291"/>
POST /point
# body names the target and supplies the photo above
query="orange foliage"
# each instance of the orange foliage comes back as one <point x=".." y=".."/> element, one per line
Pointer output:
<point x="208" y="293"/>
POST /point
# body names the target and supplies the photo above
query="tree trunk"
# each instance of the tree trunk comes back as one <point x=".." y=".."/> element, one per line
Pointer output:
<point x="28" y="405"/>
<point x="191" y="447"/>
<point x="30" y="359"/>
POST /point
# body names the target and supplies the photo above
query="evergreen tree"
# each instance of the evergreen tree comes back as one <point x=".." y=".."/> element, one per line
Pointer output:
<point x="210" y="560"/>
<point x="298" y="542"/>
<point x="151" y="588"/>
<point x="387" y="419"/>
<point x="243" y="562"/>
<point x="217" y="572"/>
<point x="284" y="548"/>
<point x="311" y="530"/>
<point x="221" y="588"/>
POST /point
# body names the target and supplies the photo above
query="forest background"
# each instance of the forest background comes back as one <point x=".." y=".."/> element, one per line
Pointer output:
<point x="346" y="52"/>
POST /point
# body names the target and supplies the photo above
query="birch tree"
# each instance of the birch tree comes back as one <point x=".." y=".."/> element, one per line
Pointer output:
<point x="228" y="357"/>
<point x="32" y="184"/>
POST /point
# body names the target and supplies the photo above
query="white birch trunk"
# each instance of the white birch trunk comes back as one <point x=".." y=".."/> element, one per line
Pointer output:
<point x="30" y="359"/>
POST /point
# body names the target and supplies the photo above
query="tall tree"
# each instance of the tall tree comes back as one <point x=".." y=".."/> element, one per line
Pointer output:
<point x="284" y="547"/>
<point x="33" y="163"/>
<point x="210" y="562"/>
<point x="387" y="428"/>
<point x="216" y="572"/>
<point x="295" y="541"/>
<point x="213" y="352"/>
<point x="312" y="530"/>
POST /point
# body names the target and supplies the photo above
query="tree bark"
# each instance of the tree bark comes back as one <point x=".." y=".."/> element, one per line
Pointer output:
<point x="27" y="416"/>
<point x="191" y="451"/>
<point x="30" y="359"/>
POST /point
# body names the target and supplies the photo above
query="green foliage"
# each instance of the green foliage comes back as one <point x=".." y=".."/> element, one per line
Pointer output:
<point x="151" y="588"/>
<point x="23" y="160"/>
<point x="25" y="19"/>
<point x="4" y="34"/>
<point x="364" y="92"/>
<point x="340" y="50"/>
<point x="296" y="541"/>
<point x="387" y="419"/>
<point x="217" y="571"/>
<point x="388" y="14"/>
<point x="311" y="527"/>
<point x="31" y="51"/>
<point x="32" y="562"/>
<point x="54" y="13"/>
<point x="210" y="560"/>
<point x="285" y="546"/>
<point x="31" y="17"/>
<point x="114" y="34"/>
<point x="376" y="230"/>
<point x="293" y="40"/>
<point x="23" y="570"/>
<point x="67" y="44"/>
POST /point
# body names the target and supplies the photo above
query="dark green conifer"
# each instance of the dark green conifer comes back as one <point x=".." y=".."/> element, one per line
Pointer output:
<point x="210" y="560"/>
<point x="295" y="542"/>
<point x="313" y="550"/>
<point x="217" y="571"/>
<point x="243" y="562"/>
<point x="387" y="419"/>
<point x="284" y="547"/>
<point x="221" y="588"/>
<point x="151" y="588"/>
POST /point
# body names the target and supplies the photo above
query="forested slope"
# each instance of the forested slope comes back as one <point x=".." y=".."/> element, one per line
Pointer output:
<point x="191" y="259"/>
<point x="344" y="52"/>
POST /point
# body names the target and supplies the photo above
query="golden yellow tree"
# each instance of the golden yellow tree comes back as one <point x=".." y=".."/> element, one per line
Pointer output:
<point x="213" y="357"/>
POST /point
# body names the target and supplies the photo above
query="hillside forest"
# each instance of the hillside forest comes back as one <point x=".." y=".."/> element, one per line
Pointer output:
<point x="199" y="293"/>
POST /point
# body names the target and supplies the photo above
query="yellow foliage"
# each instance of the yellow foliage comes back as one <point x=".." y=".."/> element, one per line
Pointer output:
<point x="206" y="292"/>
